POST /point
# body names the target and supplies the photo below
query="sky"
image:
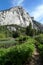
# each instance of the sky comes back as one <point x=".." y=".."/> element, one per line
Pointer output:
<point x="33" y="7"/>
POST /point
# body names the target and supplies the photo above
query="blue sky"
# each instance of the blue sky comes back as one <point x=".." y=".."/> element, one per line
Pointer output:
<point x="34" y="7"/>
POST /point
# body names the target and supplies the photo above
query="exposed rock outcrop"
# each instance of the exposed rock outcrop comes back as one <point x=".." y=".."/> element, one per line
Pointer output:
<point x="17" y="15"/>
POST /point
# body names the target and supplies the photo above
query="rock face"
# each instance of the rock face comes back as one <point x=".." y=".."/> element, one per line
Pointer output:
<point x="37" y="25"/>
<point x="17" y="15"/>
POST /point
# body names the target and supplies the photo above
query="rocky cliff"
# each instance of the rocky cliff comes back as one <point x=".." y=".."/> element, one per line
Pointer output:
<point x="17" y="15"/>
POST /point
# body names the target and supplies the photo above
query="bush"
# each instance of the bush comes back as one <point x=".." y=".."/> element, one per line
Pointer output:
<point x="41" y="51"/>
<point x="22" y="39"/>
<point x="16" y="55"/>
<point x="6" y="43"/>
<point x="15" y="34"/>
<point x="39" y="38"/>
<point x="2" y="35"/>
<point x="30" y="31"/>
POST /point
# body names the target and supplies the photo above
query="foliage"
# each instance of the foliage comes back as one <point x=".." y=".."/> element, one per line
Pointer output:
<point x="30" y="31"/>
<point x="16" y="48"/>
<point x="15" y="34"/>
<point x="5" y="32"/>
<point x="40" y="47"/>
<point x="7" y="42"/>
<point x="39" y="38"/>
<point x="22" y="39"/>
<point x="16" y="55"/>
<point x="2" y="35"/>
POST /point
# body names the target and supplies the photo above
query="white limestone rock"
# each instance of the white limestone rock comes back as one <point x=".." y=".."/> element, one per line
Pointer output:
<point x="16" y="15"/>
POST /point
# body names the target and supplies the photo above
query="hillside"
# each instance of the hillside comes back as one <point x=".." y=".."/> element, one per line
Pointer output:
<point x="21" y="38"/>
<point x="17" y="15"/>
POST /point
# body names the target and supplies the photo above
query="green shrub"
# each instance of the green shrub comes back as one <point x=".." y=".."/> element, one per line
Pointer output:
<point x="5" y="43"/>
<point x="16" y="55"/>
<point x="15" y="34"/>
<point x="22" y="39"/>
<point x="41" y="51"/>
<point x="2" y="35"/>
<point x="39" y="38"/>
<point x="30" y="31"/>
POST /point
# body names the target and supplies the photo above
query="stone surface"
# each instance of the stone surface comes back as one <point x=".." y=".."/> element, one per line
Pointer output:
<point x="17" y="15"/>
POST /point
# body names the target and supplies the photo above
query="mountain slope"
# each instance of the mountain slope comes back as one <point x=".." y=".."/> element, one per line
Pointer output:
<point x="37" y="25"/>
<point x="17" y="15"/>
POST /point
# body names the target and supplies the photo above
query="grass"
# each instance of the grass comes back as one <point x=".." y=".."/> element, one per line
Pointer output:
<point x="39" y="38"/>
<point x="40" y="47"/>
<point x="15" y="51"/>
<point x="16" y="55"/>
<point x="7" y="43"/>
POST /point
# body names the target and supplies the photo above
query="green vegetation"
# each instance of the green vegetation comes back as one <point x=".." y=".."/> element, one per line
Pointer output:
<point x="15" y="34"/>
<point x="5" y="43"/>
<point x="16" y="55"/>
<point x="40" y="47"/>
<point x="30" y="31"/>
<point x="16" y="47"/>
<point x="4" y="32"/>
<point x="39" y="38"/>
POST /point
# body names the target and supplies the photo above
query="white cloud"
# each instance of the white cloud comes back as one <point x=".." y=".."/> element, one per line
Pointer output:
<point x="38" y="13"/>
<point x="17" y="2"/>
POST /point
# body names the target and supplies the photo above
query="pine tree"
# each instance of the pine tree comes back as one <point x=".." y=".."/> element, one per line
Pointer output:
<point x="29" y="29"/>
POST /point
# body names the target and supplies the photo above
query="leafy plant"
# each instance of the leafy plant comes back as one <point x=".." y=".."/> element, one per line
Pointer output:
<point x="16" y="55"/>
<point x="39" y="38"/>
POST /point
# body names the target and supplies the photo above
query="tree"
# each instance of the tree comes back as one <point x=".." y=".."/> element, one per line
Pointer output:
<point x="15" y="34"/>
<point x="29" y="29"/>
